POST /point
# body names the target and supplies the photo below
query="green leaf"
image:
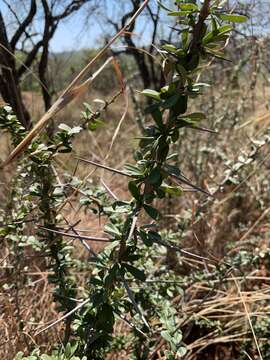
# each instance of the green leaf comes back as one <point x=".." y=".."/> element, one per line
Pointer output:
<point x="70" y="350"/>
<point x="75" y="130"/>
<point x="151" y="93"/>
<point x="173" y="170"/>
<point x="172" y="190"/>
<point x="34" y="242"/>
<point x="217" y="35"/>
<point x="106" y="317"/>
<point x="152" y="212"/>
<point x="163" y="150"/>
<point x="112" y="273"/>
<point x="216" y="53"/>
<point x="154" y="236"/>
<point x="94" y="125"/>
<point x="187" y="6"/>
<point x="138" y="274"/>
<point x="69" y="130"/>
<point x="214" y="24"/>
<point x="224" y="29"/>
<point x="132" y="170"/>
<point x="169" y="48"/>
<point x="181" y="106"/>
<point x="88" y="107"/>
<point x="171" y="101"/>
<point x="169" y="355"/>
<point x="166" y="336"/>
<point x="146" y="238"/>
<point x="134" y="190"/>
<point x="208" y="37"/>
<point x="181" y="351"/>
<point x="20" y="354"/>
<point x="155" y="177"/>
<point x="45" y="357"/>
<point x="112" y="229"/>
<point x="64" y="127"/>
<point x="181" y="70"/>
<point x="179" y="13"/>
<point x="233" y="18"/>
<point x="185" y="39"/>
<point x="194" y="117"/>
<point x="121" y="206"/>
<point x="157" y="116"/>
<point x="177" y="337"/>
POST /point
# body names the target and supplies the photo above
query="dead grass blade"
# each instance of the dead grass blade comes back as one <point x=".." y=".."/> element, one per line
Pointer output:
<point x="260" y="118"/>
<point x="248" y="356"/>
<point x="251" y="229"/>
<point x="249" y="319"/>
<point x="123" y="88"/>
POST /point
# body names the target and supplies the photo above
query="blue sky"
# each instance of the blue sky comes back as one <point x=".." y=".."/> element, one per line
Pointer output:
<point x="72" y="34"/>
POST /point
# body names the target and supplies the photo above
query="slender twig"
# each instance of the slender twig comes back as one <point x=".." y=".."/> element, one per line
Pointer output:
<point x="91" y="238"/>
<point x="182" y="251"/>
<point x="104" y="167"/>
<point x="132" y="298"/>
<point x="129" y="323"/>
<point x="249" y="319"/>
<point x="181" y="179"/>
<point x="63" y="317"/>
<point x="201" y="129"/>
<point x="83" y="242"/>
<point x="109" y="190"/>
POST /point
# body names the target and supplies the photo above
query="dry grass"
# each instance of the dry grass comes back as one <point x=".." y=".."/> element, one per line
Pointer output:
<point x="26" y="302"/>
<point x="26" y="296"/>
<point x="31" y="302"/>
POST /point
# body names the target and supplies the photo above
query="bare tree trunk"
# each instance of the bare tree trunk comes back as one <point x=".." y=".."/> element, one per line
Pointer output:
<point x="132" y="49"/>
<point x="9" y="82"/>
<point x="49" y="29"/>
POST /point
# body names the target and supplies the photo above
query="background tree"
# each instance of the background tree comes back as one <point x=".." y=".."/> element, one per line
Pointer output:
<point x="134" y="42"/>
<point x="22" y="37"/>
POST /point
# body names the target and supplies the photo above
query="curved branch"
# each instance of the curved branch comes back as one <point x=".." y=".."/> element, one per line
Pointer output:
<point x="31" y="56"/>
<point x="75" y="5"/>
<point x="22" y="28"/>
